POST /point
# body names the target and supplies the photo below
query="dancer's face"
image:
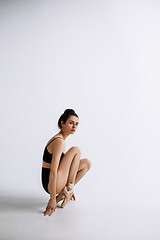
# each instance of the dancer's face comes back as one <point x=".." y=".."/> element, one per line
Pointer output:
<point x="71" y="124"/>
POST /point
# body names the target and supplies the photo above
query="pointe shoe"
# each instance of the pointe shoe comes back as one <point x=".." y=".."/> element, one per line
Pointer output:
<point x="68" y="194"/>
<point x="60" y="196"/>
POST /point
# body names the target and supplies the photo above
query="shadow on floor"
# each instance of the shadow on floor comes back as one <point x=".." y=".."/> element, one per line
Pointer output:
<point x="33" y="204"/>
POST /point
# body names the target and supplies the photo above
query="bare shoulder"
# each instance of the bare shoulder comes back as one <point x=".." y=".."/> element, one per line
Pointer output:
<point x="57" y="136"/>
<point x="57" y="143"/>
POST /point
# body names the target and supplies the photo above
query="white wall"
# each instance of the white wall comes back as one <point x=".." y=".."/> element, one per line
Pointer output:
<point x="100" y="58"/>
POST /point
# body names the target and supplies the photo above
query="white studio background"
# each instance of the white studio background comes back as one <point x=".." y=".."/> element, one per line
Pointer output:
<point x="100" y="58"/>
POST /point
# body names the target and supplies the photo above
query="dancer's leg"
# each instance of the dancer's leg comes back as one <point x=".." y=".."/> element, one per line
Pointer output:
<point x="68" y="190"/>
<point x="84" y="166"/>
<point x="73" y="169"/>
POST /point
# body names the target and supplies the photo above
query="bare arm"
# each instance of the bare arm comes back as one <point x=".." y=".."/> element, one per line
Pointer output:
<point x="57" y="151"/>
<point x="52" y="180"/>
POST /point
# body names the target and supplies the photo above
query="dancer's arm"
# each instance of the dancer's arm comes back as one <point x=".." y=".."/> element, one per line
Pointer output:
<point x="56" y="155"/>
<point x="52" y="181"/>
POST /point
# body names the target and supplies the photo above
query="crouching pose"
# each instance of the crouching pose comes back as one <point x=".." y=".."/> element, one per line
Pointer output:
<point x="61" y="171"/>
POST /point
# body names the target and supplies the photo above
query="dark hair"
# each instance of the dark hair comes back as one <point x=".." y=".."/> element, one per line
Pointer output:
<point x="67" y="113"/>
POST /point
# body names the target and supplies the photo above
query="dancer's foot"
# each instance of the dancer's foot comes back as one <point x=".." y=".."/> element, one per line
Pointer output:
<point x="68" y="192"/>
<point x="60" y="196"/>
<point x="73" y="197"/>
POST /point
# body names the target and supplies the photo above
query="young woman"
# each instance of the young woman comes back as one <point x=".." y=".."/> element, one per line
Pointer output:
<point x="61" y="171"/>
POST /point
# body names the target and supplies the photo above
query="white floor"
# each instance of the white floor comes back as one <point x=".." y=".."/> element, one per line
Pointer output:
<point x="92" y="216"/>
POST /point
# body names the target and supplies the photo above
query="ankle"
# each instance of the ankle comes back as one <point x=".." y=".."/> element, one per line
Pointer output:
<point x="70" y="186"/>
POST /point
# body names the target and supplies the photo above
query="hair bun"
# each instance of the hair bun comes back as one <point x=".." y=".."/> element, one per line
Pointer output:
<point x="69" y="111"/>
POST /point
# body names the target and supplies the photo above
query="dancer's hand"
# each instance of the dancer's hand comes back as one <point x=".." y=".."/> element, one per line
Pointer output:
<point x="73" y="197"/>
<point x="50" y="207"/>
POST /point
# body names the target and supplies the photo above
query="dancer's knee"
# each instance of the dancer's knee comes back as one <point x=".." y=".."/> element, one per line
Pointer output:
<point x="85" y="163"/>
<point x="76" y="150"/>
